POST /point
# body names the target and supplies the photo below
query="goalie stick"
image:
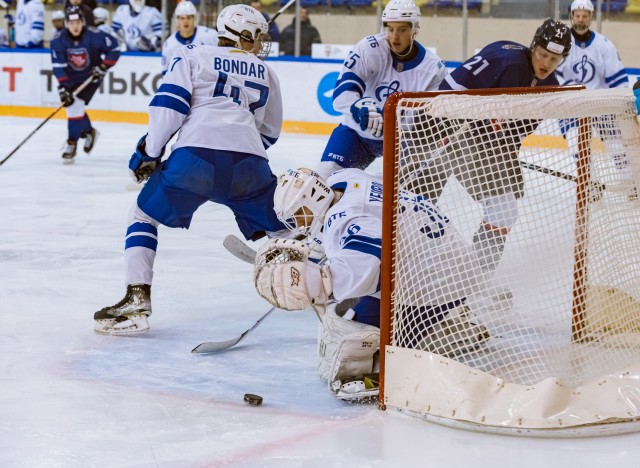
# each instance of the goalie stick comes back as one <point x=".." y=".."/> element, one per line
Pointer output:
<point x="236" y="247"/>
<point x="215" y="346"/>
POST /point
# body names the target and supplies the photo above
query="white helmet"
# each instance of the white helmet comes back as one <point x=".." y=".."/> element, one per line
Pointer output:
<point x="57" y="15"/>
<point x="402" y="11"/>
<point x="302" y="188"/>
<point x="582" y="5"/>
<point x="137" y="5"/>
<point x="185" y="8"/>
<point x="242" y="21"/>
<point x="100" y="15"/>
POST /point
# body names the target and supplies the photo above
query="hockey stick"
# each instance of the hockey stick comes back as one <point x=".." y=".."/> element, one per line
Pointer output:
<point x="280" y="11"/>
<point x="215" y="346"/>
<point x="597" y="187"/>
<point x="236" y="247"/>
<point x="75" y="93"/>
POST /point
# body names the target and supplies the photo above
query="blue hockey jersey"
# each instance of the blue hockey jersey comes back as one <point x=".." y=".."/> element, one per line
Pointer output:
<point x="74" y="57"/>
<point x="502" y="64"/>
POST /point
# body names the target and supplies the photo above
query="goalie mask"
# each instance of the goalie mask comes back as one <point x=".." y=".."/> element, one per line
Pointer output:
<point x="301" y="200"/>
<point x="137" y="5"/>
<point x="243" y="23"/>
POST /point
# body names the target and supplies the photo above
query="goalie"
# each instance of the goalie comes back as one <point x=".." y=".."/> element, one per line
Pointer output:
<point x="345" y="217"/>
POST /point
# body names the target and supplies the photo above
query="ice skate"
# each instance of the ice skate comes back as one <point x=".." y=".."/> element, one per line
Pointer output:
<point x="70" y="152"/>
<point x="127" y="317"/>
<point x="455" y="334"/>
<point x="90" y="139"/>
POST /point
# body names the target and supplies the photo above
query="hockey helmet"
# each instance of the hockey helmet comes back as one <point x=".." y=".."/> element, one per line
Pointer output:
<point x="302" y="194"/>
<point x="402" y="11"/>
<point x="582" y="5"/>
<point x="553" y="36"/>
<point x="137" y="5"/>
<point x="57" y="15"/>
<point x="100" y="15"/>
<point x="237" y="22"/>
<point x="185" y="8"/>
<point x="73" y="13"/>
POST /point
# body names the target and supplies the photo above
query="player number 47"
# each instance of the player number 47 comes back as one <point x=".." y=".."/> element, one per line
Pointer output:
<point x="234" y="92"/>
<point x="475" y="61"/>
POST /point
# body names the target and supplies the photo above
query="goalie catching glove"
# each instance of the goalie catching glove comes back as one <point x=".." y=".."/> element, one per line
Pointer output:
<point x="286" y="279"/>
<point x="368" y="113"/>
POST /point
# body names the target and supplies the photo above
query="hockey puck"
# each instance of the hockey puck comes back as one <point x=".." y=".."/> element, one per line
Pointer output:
<point x="250" y="398"/>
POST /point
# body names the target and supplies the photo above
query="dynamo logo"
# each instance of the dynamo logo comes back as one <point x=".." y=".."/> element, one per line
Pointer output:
<point x="325" y="92"/>
<point x="585" y="69"/>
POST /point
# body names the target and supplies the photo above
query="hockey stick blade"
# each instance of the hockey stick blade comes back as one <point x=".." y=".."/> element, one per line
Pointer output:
<point x="236" y="247"/>
<point x="215" y="346"/>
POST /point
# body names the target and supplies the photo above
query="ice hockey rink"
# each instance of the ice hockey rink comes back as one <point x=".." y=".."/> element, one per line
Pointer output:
<point x="71" y="398"/>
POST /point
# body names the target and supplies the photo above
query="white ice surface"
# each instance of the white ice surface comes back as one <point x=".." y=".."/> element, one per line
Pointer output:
<point x="71" y="398"/>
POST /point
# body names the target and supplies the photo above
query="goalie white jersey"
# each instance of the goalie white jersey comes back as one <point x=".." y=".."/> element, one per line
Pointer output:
<point x="594" y="63"/>
<point x="147" y="23"/>
<point x="29" y="26"/>
<point x="201" y="36"/>
<point x="370" y="70"/>
<point x="219" y="98"/>
<point x="352" y="234"/>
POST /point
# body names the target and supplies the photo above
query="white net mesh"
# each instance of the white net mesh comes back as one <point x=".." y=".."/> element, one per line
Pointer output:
<point x="522" y="260"/>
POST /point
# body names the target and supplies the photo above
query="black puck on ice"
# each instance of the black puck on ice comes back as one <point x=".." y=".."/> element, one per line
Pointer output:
<point x="250" y="398"/>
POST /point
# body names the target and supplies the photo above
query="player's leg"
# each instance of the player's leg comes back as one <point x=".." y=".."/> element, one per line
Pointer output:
<point x="345" y="149"/>
<point x="89" y="133"/>
<point x="77" y="123"/>
<point x="165" y="199"/>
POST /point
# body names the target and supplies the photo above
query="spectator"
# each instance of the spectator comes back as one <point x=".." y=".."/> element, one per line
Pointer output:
<point x="57" y="23"/>
<point x="85" y="7"/>
<point x="29" y="26"/>
<point x="274" y="32"/>
<point x="308" y="35"/>
<point x="140" y="26"/>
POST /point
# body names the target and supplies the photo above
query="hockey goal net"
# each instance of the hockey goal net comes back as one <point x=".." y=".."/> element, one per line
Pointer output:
<point x="549" y="285"/>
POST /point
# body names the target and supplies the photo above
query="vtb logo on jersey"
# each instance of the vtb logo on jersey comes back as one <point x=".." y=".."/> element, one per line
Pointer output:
<point x="78" y="59"/>
<point x="585" y="68"/>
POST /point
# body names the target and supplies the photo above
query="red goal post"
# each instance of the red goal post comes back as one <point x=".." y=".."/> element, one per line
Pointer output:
<point x="557" y="179"/>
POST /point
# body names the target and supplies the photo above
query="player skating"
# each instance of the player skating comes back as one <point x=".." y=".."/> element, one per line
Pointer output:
<point x="486" y="163"/>
<point x="377" y="67"/>
<point x="595" y="63"/>
<point x="139" y="25"/>
<point x="345" y="215"/>
<point x="188" y="33"/>
<point x="78" y="53"/>
<point x="226" y="104"/>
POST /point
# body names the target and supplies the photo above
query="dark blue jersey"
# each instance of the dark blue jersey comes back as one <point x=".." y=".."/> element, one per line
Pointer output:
<point x="74" y="57"/>
<point x="502" y="64"/>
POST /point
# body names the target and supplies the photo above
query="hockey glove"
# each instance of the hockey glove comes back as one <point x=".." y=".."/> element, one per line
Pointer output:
<point x="368" y="113"/>
<point x="142" y="165"/>
<point x="145" y="44"/>
<point x="66" y="96"/>
<point x="98" y="73"/>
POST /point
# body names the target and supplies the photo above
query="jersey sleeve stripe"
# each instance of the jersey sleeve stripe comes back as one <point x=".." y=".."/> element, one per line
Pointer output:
<point x="170" y="103"/>
<point x="141" y="241"/>
<point x="615" y="76"/>
<point x="364" y="244"/>
<point x="176" y="90"/>
<point x="339" y="186"/>
<point x="622" y="81"/>
<point x="268" y="141"/>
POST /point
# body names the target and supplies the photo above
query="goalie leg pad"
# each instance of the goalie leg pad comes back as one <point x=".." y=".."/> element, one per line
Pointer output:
<point x="331" y="332"/>
<point x="354" y="362"/>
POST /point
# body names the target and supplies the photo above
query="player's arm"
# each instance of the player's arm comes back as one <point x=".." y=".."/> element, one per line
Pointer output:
<point x="615" y="72"/>
<point x="36" y="33"/>
<point x="169" y="107"/>
<point x="117" y="21"/>
<point x="270" y="124"/>
<point x="59" y="63"/>
<point x="440" y="75"/>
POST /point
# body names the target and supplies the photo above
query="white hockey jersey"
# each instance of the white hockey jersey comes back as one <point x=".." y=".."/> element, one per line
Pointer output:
<point x="352" y="241"/>
<point x="201" y="36"/>
<point x="29" y="27"/>
<point x="147" y="23"/>
<point x="594" y="64"/>
<point x="220" y="98"/>
<point x="370" y="70"/>
<point x="107" y="29"/>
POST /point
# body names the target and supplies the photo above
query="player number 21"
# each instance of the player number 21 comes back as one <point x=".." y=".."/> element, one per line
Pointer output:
<point x="234" y="93"/>
<point x="474" y="61"/>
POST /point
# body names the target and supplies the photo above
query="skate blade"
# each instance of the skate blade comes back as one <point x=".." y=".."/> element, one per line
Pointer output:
<point x="134" y="325"/>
